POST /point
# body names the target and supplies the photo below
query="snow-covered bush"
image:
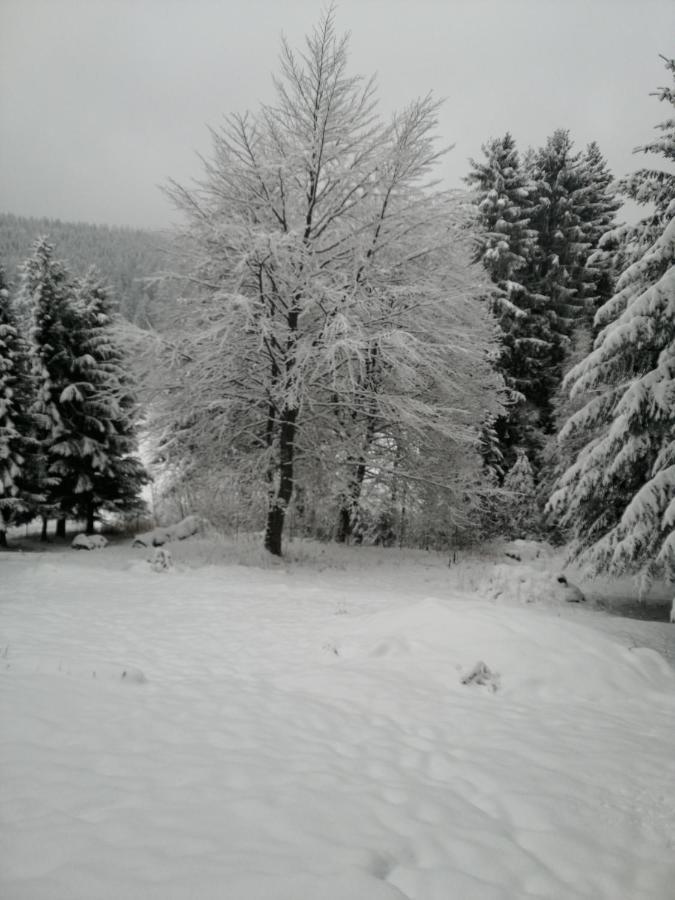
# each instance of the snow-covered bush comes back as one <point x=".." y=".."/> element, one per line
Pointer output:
<point x="89" y="542"/>
<point x="526" y="584"/>
<point x="162" y="561"/>
<point x="186" y="528"/>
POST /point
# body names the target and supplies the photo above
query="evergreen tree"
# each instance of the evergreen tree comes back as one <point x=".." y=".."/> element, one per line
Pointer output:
<point x="562" y="250"/>
<point x="504" y="207"/>
<point x="508" y="247"/>
<point x="100" y="472"/>
<point x="46" y="301"/>
<point x="18" y="490"/>
<point x="618" y="497"/>
<point x="84" y="409"/>
<point x="574" y="208"/>
<point x="521" y="507"/>
<point x="597" y="203"/>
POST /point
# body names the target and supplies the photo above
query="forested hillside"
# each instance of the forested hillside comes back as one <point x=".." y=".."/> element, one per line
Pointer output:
<point x="127" y="258"/>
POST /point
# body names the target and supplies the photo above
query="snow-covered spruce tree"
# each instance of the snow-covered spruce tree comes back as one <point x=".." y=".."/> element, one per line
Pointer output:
<point x="45" y="300"/>
<point x="505" y="203"/>
<point x="520" y="508"/>
<point x="97" y="468"/>
<point x="318" y="322"/>
<point x="83" y="408"/>
<point x="618" y="497"/>
<point x="19" y="492"/>
<point x="554" y="270"/>
<point x="597" y="202"/>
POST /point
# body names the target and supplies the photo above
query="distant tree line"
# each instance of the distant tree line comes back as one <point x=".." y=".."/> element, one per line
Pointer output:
<point x="67" y="409"/>
<point x="131" y="260"/>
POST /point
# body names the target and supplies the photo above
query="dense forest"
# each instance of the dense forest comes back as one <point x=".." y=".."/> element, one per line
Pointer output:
<point x="357" y="353"/>
<point x="129" y="259"/>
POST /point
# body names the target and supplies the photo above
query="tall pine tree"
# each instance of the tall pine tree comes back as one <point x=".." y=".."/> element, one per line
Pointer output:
<point x="19" y="491"/>
<point x="505" y="244"/>
<point x="102" y="472"/>
<point x="84" y="408"/>
<point x="618" y="497"/>
<point x="597" y="203"/>
<point x="562" y="250"/>
<point x="45" y="300"/>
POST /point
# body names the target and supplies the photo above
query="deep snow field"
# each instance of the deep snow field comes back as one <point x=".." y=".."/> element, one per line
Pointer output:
<point x="302" y="732"/>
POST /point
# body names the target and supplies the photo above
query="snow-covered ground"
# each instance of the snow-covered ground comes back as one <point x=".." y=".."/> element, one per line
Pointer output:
<point x="303" y="733"/>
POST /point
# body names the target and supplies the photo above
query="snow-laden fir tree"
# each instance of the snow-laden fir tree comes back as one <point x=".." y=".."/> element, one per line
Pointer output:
<point x="554" y="272"/>
<point x="520" y="507"/>
<point x="45" y="301"/>
<point x="335" y="307"/>
<point x="506" y="246"/>
<point x="597" y="204"/>
<point x="618" y="497"/>
<point x="18" y="489"/>
<point x="97" y="470"/>
<point x="83" y="408"/>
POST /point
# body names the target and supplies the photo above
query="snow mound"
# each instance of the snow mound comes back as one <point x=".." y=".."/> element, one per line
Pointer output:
<point x="281" y="752"/>
<point x="540" y="657"/>
<point x="89" y="542"/>
<point x="186" y="528"/>
<point x="524" y="584"/>
<point x="526" y="551"/>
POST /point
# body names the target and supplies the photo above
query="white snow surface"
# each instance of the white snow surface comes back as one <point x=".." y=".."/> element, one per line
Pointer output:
<point x="291" y="733"/>
<point x="89" y="542"/>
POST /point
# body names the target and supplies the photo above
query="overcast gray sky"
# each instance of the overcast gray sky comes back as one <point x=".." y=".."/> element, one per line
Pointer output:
<point x="102" y="100"/>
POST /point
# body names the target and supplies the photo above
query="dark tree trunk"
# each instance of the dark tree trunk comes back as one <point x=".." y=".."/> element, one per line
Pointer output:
<point x="61" y="527"/>
<point x="43" y="535"/>
<point x="344" y="524"/>
<point x="90" y="518"/>
<point x="3" y="538"/>
<point x="279" y="503"/>
<point x="274" y="530"/>
<point x="350" y="504"/>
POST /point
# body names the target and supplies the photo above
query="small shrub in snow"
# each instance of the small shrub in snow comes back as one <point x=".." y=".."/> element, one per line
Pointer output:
<point x="161" y="561"/>
<point x="160" y="536"/>
<point x="570" y="592"/>
<point x="133" y="675"/>
<point x="482" y="675"/>
<point x="528" y="584"/>
<point x="89" y="542"/>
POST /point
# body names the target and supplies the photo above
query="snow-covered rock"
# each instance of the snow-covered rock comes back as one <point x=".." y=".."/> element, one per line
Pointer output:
<point x="529" y="584"/>
<point x="570" y="592"/>
<point x="164" y="535"/>
<point x="526" y="551"/>
<point x="482" y="675"/>
<point x="89" y="542"/>
<point x="161" y="561"/>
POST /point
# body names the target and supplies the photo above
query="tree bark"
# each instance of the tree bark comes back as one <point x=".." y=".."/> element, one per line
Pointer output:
<point x="344" y="529"/>
<point x="90" y="518"/>
<point x="43" y="535"/>
<point x="276" y="513"/>
<point x="61" y="527"/>
<point x="3" y="538"/>
<point x="350" y="504"/>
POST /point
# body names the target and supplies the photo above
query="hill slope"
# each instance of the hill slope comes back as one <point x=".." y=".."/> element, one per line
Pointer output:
<point x="126" y="257"/>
